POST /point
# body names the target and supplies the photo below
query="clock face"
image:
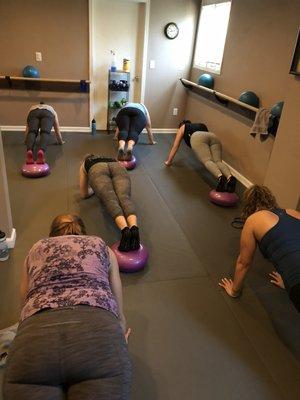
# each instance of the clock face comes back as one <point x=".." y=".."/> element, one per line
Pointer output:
<point x="171" y="30"/>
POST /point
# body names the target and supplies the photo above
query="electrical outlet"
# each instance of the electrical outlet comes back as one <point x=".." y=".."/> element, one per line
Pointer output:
<point x="175" y="111"/>
<point x="38" y="56"/>
<point x="152" y="64"/>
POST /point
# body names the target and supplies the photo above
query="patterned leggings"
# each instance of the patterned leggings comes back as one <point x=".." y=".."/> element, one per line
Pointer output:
<point x="111" y="184"/>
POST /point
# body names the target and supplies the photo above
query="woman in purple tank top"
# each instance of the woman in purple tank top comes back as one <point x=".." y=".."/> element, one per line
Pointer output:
<point x="71" y="341"/>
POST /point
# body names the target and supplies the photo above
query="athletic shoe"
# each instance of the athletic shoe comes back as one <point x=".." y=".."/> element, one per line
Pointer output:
<point x="40" y="157"/>
<point x="231" y="184"/>
<point x="125" y="240"/>
<point x="29" y="157"/>
<point x="221" y="186"/>
<point x="121" y="154"/>
<point x="134" y="238"/>
<point x="128" y="155"/>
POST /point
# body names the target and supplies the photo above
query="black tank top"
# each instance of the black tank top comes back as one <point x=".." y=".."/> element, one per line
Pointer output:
<point x="92" y="160"/>
<point x="189" y="129"/>
<point x="281" y="246"/>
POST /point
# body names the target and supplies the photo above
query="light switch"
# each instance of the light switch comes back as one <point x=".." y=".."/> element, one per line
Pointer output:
<point x="152" y="64"/>
<point x="38" y="56"/>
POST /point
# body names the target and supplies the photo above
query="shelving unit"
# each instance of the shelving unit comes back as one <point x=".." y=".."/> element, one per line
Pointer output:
<point x="118" y="94"/>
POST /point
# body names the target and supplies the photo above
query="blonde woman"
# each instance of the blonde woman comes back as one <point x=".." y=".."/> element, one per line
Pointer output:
<point x="276" y="231"/>
<point x="71" y="341"/>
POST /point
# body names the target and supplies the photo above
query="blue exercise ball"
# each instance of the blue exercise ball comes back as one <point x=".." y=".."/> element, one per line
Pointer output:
<point x="206" y="80"/>
<point x="30" y="72"/>
<point x="276" y="110"/>
<point x="250" y="98"/>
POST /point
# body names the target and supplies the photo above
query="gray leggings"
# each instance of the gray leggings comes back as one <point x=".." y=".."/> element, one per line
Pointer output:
<point x="111" y="184"/>
<point x="208" y="149"/>
<point x="69" y="353"/>
<point x="43" y="120"/>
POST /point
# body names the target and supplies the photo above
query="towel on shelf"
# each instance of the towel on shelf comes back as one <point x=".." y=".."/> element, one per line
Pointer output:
<point x="7" y="335"/>
<point x="261" y="123"/>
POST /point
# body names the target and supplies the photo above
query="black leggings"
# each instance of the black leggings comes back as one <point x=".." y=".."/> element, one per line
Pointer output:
<point x="295" y="296"/>
<point x="39" y="119"/>
<point x="130" y="121"/>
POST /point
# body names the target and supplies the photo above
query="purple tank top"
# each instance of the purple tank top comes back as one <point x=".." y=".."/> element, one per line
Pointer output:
<point x="65" y="271"/>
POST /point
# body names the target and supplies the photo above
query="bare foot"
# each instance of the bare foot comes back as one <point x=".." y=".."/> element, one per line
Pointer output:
<point x="168" y="163"/>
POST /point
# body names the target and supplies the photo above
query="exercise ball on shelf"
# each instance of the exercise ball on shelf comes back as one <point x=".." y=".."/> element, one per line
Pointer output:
<point x="276" y="110"/>
<point x="206" y="80"/>
<point x="250" y="98"/>
<point x="30" y="72"/>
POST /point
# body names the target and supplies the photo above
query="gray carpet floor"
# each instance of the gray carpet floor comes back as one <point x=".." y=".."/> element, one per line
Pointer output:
<point x="189" y="340"/>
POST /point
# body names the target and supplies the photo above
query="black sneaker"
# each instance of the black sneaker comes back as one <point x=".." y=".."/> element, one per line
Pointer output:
<point x="125" y="240"/>
<point x="128" y="155"/>
<point x="134" y="238"/>
<point x="121" y="154"/>
<point x="221" y="186"/>
<point x="231" y="184"/>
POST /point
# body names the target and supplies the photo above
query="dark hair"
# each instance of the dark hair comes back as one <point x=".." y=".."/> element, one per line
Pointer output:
<point x="67" y="224"/>
<point x="257" y="198"/>
<point x="86" y="156"/>
<point x="185" y="121"/>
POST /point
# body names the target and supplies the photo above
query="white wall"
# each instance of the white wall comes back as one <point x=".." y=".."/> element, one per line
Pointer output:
<point x="115" y="26"/>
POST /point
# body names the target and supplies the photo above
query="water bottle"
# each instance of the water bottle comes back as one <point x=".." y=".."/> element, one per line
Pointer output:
<point x="94" y="128"/>
<point x="113" y="66"/>
<point x="4" y="254"/>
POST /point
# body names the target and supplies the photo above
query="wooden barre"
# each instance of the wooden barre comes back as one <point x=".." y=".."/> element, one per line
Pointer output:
<point x="219" y="94"/>
<point x="21" y="78"/>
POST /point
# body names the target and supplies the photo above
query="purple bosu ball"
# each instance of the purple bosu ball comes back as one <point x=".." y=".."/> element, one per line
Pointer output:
<point x="35" y="170"/>
<point x="224" y="199"/>
<point x="131" y="164"/>
<point x="131" y="261"/>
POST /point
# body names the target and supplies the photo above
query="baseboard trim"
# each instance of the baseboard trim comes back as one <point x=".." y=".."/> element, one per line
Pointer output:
<point x="81" y="129"/>
<point x="163" y="130"/>
<point x="20" y="128"/>
<point x="244" y="181"/>
<point x="11" y="241"/>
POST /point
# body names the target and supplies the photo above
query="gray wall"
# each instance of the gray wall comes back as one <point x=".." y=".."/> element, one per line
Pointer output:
<point x="58" y="29"/>
<point x="172" y="57"/>
<point x="258" y="53"/>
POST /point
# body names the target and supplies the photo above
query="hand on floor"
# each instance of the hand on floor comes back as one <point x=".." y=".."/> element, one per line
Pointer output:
<point x="276" y="279"/>
<point x="227" y="284"/>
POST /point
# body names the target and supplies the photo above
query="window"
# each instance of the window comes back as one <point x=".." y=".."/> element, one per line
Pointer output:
<point x="211" y="36"/>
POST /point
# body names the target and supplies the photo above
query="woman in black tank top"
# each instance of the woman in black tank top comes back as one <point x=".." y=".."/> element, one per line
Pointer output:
<point x="277" y="233"/>
<point x="208" y="150"/>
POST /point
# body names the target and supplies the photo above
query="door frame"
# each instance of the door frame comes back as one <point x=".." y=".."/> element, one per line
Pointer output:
<point x="144" y="57"/>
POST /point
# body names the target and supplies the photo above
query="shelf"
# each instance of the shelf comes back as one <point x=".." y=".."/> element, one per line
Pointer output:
<point x="116" y="96"/>
<point x="20" y="82"/>
<point x="222" y="98"/>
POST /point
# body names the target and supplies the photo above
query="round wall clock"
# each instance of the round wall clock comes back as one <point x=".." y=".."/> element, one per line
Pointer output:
<point x="171" y="30"/>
